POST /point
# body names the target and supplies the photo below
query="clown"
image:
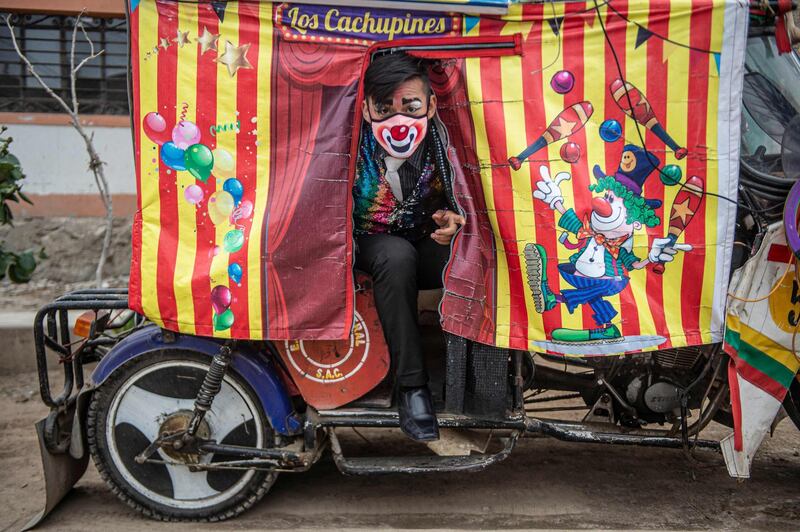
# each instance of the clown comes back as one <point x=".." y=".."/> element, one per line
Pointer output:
<point x="599" y="267"/>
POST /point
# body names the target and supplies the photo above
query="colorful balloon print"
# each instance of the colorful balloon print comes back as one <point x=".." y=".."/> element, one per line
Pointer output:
<point x="235" y="272"/>
<point x="220" y="206"/>
<point x="193" y="194"/>
<point x="155" y="128"/>
<point x="242" y="212"/>
<point x="570" y="152"/>
<point x="233" y="240"/>
<point x="220" y="298"/>
<point x="671" y="175"/>
<point x="199" y="161"/>
<point x="224" y="164"/>
<point x="185" y="133"/>
<point x="173" y="156"/>
<point x="224" y="321"/>
<point x="562" y="81"/>
<point x="610" y="131"/>
<point x="234" y="187"/>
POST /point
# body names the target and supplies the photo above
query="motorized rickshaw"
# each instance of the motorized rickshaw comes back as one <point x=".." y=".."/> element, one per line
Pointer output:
<point x="245" y="340"/>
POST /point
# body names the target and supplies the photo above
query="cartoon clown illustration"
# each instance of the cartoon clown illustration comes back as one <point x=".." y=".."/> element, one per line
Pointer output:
<point x="604" y="253"/>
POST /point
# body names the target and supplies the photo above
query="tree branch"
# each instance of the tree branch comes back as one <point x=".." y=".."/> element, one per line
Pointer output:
<point x="95" y="163"/>
<point x="33" y="70"/>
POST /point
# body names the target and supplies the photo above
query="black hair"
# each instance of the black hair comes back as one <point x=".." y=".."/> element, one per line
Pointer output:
<point x="388" y="71"/>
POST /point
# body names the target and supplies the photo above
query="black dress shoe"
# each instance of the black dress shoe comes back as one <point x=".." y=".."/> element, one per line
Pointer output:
<point x="417" y="418"/>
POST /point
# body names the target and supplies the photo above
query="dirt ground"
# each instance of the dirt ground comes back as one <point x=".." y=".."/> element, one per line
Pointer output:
<point x="544" y="484"/>
<point x="73" y="248"/>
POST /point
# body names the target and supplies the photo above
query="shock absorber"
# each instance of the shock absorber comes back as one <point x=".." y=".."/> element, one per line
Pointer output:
<point x="210" y="388"/>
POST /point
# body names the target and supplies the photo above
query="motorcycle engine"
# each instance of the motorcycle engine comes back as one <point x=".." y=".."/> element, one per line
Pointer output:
<point x="654" y="382"/>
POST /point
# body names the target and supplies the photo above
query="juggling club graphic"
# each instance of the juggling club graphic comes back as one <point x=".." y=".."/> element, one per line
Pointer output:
<point x="567" y="122"/>
<point x="642" y="112"/>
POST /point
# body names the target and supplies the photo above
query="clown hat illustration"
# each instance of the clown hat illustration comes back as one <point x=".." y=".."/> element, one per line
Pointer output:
<point x="635" y="167"/>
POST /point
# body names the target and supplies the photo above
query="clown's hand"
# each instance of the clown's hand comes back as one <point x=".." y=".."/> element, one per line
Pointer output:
<point x="664" y="250"/>
<point x="549" y="189"/>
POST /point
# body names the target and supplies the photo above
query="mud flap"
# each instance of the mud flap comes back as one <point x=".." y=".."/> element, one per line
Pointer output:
<point x="61" y="472"/>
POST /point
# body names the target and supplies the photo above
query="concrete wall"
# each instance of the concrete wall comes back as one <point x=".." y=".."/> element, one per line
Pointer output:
<point x="55" y="163"/>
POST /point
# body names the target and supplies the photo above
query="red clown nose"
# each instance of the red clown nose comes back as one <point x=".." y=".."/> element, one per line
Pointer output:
<point x="601" y="207"/>
<point x="399" y="132"/>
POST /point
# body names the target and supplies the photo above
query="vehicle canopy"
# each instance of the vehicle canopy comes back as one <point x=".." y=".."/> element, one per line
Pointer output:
<point x="246" y="120"/>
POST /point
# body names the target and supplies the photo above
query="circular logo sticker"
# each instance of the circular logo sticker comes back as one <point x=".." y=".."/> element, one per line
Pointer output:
<point x="330" y="361"/>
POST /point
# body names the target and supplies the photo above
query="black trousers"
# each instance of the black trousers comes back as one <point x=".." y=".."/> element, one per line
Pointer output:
<point x="399" y="269"/>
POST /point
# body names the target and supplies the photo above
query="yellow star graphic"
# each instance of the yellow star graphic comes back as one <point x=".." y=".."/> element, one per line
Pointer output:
<point x="681" y="210"/>
<point x="208" y="41"/>
<point x="182" y="38"/>
<point x="564" y="128"/>
<point x="235" y="57"/>
<point x="165" y="43"/>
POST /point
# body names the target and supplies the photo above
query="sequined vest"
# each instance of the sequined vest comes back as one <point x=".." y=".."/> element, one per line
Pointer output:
<point x="375" y="207"/>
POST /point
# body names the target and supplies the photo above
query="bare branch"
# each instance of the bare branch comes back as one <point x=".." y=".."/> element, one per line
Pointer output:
<point x="36" y="74"/>
<point x="95" y="163"/>
<point x="92" y="54"/>
<point x="72" y="64"/>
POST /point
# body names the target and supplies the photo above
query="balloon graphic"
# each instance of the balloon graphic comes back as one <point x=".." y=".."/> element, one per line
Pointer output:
<point x="220" y="298"/>
<point x="220" y="206"/>
<point x="610" y="131"/>
<point x="562" y="81"/>
<point x="173" y="156"/>
<point x="233" y="241"/>
<point x="193" y="194"/>
<point x="234" y="187"/>
<point x="223" y="321"/>
<point x="155" y="127"/>
<point x="671" y="175"/>
<point x="185" y="133"/>
<point x="235" y="272"/>
<point x="224" y="164"/>
<point x="243" y="211"/>
<point x="570" y="152"/>
<point x="199" y="160"/>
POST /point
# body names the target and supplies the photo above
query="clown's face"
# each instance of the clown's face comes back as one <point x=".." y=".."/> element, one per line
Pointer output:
<point x="609" y="216"/>
<point x="628" y="162"/>
<point x="401" y="122"/>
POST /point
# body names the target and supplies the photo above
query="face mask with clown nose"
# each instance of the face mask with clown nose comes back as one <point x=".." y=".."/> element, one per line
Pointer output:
<point x="400" y="134"/>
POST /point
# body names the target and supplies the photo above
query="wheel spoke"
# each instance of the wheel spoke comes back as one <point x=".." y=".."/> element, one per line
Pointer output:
<point x="145" y="410"/>
<point x="188" y="485"/>
<point x="228" y="411"/>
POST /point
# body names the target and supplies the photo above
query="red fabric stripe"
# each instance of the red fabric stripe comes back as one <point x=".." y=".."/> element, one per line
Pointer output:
<point x="656" y="92"/>
<point x="616" y="28"/>
<point x="135" y="282"/>
<point x="535" y="120"/>
<point x="754" y="376"/>
<point x="246" y="98"/>
<point x="759" y="379"/>
<point x="493" y="106"/>
<point x="779" y="253"/>
<point x="573" y="58"/>
<point x="167" y="241"/>
<point x="206" y="116"/>
<point x="694" y="261"/>
<point x="736" y="405"/>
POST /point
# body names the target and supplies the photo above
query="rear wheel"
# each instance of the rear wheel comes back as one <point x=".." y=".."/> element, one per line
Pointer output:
<point x="154" y="394"/>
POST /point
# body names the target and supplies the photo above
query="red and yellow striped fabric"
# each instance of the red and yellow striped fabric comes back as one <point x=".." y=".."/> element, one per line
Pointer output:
<point x="245" y="119"/>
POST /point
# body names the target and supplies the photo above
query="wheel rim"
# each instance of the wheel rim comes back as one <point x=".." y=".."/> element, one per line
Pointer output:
<point x="148" y="399"/>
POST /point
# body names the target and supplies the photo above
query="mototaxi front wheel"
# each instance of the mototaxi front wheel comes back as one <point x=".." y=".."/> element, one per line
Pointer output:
<point x="154" y="394"/>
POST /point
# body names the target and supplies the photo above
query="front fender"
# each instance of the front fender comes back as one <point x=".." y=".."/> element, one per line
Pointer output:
<point x="254" y="367"/>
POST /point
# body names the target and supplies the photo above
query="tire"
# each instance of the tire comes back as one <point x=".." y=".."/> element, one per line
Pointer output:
<point x="125" y="415"/>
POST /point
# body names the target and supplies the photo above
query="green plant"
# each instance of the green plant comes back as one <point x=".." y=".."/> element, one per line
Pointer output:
<point x="18" y="266"/>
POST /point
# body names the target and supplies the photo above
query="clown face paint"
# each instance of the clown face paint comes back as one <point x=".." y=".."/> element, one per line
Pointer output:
<point x="400" y="135"/>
